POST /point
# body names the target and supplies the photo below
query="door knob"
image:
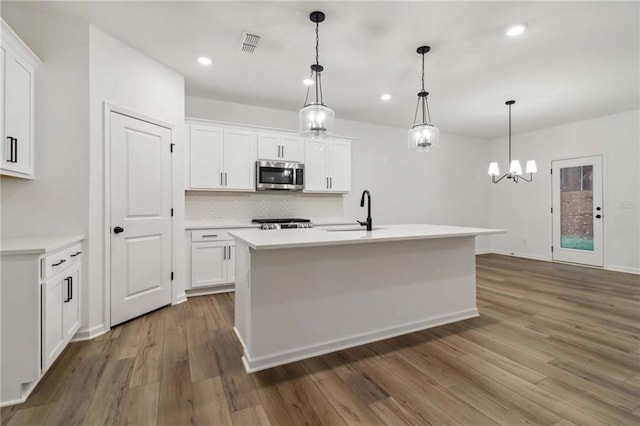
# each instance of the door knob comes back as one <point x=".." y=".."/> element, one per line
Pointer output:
<point x="118" y="230"/>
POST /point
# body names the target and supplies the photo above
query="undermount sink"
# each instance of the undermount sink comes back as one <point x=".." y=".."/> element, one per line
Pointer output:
<point x="360" y="228"/>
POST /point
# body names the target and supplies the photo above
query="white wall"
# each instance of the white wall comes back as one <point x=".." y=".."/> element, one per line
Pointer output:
<point x="55" y="203"/>
<point x="444" y="186"/>
<point x="524" y="209"/>
<point x="124" y="77"/>
<point x="61" y="130"/>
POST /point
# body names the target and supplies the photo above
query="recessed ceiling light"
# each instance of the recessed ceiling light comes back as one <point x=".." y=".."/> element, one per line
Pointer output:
<point x="307" y="82"/>
<point x="516" y="30"/>
<point x="204" y="60"/>
<point x="385" y="97"/>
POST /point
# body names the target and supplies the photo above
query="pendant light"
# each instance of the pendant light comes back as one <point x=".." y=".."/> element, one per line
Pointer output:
<point x="316" y="119"/>
<point x="424" y="136"/>
<point x="515" y="169"/>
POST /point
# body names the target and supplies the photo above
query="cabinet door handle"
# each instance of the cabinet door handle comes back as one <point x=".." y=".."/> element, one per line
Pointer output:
<point x="327" y="183"/>
<point x="15" y="151"/>
<point x="210" y="236"/>
<point x="278" y="151"/>
<point x="10" y="156"/>
<point x="221" y="179"/>
<point x="76" y="254"/>
<point x="59" y="263"/>
<point x="330" y="182"/>
<point x="224" y="253"/>
<point x="71" y="288"/>
<point x="229" y="252"/>
<point x="68" y="291"/>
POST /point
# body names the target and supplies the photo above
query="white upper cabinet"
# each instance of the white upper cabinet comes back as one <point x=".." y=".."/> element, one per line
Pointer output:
<point x="280" y="147"/>
<point x="239" y="159"/>
<point x="17" y="65"/>
<point x="327" y="165"/>
<point x="206" y="158"/>
<point x="222" y="159"/>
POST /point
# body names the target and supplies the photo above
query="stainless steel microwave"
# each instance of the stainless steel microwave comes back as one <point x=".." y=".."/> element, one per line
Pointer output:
<point x="276" y="175"/>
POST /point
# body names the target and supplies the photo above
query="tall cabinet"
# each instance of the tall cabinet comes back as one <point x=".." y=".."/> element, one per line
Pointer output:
<point x="17" y="95"/>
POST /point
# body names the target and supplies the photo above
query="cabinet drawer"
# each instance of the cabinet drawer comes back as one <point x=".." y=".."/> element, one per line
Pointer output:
<point x="210" y="235"/>
<point x="60" y="260"/>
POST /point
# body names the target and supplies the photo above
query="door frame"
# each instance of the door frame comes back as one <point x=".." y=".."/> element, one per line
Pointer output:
<point x="603" y="165"/>
<point x="108" y="109"/>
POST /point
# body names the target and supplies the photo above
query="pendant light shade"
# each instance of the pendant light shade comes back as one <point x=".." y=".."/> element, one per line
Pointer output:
<point x="423" y="136"/>
<point x="515" y="168"/>
<point x="316" y="120"/>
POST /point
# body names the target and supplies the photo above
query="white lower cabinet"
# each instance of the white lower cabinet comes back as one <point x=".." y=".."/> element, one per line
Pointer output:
<point x="213" y="260"/>
<point x="209" y="265"/>
<point x="41" y="290"/>
<point x="61" y="313"/>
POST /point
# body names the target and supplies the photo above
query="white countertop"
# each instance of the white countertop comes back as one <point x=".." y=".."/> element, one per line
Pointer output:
<point x="290" y="238"/>
<point x="35" y="245"/>
<point x="325" y="221"/>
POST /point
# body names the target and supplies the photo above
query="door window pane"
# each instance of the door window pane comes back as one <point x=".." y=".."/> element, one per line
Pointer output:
<point x="576" y="208"/>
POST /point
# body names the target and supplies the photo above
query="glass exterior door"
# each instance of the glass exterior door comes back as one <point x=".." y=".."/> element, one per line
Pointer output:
<point x="577" y="210"/>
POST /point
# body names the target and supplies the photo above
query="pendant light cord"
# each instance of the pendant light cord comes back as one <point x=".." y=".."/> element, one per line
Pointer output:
<point x="509" y="135"/>
<point x="317" y="62"/>
<point x="425" y="103"/>
<point x="317" y="77"/>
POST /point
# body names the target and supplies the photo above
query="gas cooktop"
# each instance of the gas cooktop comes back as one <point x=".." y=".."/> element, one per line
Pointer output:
<point x="284" y="223"/>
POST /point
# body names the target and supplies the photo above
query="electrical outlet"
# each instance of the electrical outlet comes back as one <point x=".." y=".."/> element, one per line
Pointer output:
<point x="626" y="204"/>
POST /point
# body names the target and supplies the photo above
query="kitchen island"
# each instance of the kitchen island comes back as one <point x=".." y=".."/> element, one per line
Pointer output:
<point x="306" y="292"/>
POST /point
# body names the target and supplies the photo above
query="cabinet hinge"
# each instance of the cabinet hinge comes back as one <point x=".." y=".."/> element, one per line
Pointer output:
<point x="551" y="210"/>
<point x="171" y="275"/>
<point x="552" y="249"/>
<point x="551" y="171"/>
<point x="171" y="211"/>
<point x="171" y="146"/>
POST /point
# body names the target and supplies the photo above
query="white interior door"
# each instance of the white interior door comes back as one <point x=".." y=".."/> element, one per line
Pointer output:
<point x="140" y="217"/>
<point x="577" y="210"/>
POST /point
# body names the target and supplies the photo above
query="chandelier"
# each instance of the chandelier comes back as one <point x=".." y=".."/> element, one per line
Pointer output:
<point x="315" y="118"/>
<point x="515" y="169"/>
<point x="423" y="136"/>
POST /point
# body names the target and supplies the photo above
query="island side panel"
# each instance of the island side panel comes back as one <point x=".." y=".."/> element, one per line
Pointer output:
<point x="313" y="300"/>
<point x="243" y="295"/>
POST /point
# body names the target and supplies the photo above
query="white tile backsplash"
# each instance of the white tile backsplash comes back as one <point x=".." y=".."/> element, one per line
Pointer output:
<point x="237" y="206"/>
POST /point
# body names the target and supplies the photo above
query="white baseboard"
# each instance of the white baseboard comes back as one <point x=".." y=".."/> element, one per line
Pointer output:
<point x="523" y="255"/>
<point x="181" y="298"/>
<point x="624" y="269"/>
<point x="615" y="268"/>
<point x="210" y="290"/>
<point x="89" y="333"/>
<point x="483" y="251"/>
<point x="279" y="358"/>
<point x="26" y="391"/>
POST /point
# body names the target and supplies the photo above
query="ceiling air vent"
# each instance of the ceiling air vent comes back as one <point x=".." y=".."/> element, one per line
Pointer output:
<point x="248" y="42"/>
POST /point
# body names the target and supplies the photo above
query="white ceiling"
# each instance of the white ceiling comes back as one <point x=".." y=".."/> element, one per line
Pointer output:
<point x="576" y="61"/>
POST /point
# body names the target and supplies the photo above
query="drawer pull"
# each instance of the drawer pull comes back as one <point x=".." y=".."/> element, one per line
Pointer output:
<point x="59" y="263"/>
<point x="210" y="236"/>
<point x="76" y="254"/>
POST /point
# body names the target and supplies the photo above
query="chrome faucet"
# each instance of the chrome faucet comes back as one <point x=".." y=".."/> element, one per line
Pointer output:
<point x="369" y="222"/>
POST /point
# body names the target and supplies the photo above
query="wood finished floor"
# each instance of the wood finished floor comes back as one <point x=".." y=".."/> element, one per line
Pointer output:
<point x="555" y="344"/>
